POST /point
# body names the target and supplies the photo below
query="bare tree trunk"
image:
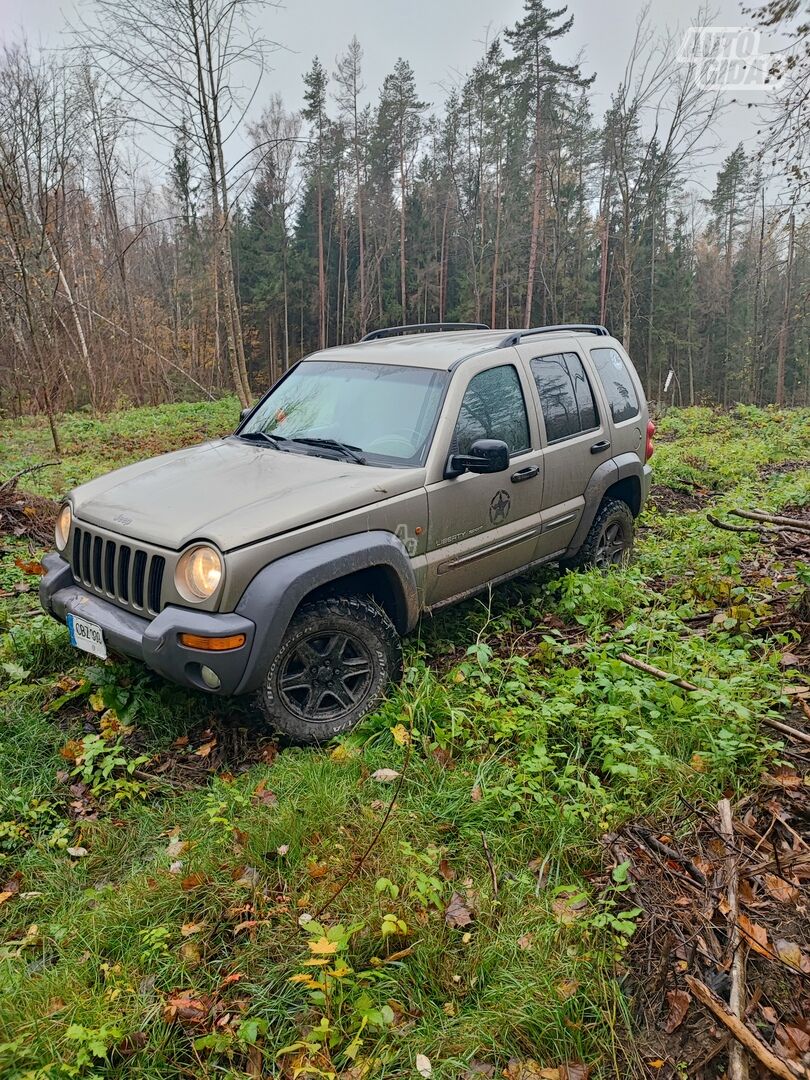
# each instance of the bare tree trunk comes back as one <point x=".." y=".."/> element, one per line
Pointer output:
<point x="536" y="199"/>
<point x="784" y="329"/>
<point x="402" y="261"/>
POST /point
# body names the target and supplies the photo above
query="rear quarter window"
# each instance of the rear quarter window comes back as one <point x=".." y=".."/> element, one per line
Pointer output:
<point x="617" y="384"/>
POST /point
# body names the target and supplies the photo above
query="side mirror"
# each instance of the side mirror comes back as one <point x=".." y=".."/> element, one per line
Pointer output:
<point x="485" y="456"/>
<point x="243" y="415"/>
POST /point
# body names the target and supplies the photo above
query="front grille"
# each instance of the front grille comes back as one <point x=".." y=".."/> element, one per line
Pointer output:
<point x="126" y="574"/>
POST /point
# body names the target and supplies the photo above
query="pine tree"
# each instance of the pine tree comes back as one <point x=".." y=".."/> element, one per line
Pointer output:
<point x="399" y="120"/>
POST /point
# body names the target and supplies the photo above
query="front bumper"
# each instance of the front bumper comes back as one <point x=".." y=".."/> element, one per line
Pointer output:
<point x="155" y="642"/>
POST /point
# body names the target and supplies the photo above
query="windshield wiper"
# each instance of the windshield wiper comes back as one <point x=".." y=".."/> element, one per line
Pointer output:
<point x="262" y="436"/>
<point x="353" y="453"/>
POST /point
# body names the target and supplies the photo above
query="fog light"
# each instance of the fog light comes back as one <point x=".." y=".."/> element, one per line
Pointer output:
<point x="210" y="678"/>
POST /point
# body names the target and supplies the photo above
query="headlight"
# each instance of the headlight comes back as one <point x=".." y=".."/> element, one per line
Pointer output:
<point x="198" y="573"/>
<point x="62" y="529"/>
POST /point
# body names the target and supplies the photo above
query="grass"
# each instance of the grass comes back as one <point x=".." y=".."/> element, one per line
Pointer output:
<point x="163" y="863"/>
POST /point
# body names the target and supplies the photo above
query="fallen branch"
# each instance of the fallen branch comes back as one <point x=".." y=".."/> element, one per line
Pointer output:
<point x="12" y="480"/>
<point x="786" y="729"/>
<point x="666" y="676"/>
<point x="743" y="1034"/>
<point x="659" y="673"/>
<point x="718" y="524"/>
<point x="773" y="519"/>
<point x="664" y="849"/>
<point x="737" y="1062"/>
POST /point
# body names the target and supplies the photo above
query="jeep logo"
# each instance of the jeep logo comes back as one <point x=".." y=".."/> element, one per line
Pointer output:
<point x="122" y="519"/>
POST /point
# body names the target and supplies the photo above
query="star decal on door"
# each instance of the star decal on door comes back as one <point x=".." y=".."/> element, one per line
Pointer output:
<point x="499" y="507"/>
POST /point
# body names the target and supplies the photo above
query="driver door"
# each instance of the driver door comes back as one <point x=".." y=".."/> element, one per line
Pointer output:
<point x="484" y="526"/>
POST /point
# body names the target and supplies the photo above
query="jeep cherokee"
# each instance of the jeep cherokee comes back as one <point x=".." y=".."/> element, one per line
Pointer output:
<point x="373" y="483"/>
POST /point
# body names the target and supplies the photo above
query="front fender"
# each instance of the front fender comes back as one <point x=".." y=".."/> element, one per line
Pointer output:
<point x="272" y="597"/>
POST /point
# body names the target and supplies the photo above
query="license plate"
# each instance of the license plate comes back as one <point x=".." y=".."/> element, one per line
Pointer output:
<point x="87" y="635"/>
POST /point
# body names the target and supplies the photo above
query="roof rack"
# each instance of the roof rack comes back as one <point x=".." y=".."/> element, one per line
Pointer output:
<point x="516" y="336"/>
<point x="422" y="328"/>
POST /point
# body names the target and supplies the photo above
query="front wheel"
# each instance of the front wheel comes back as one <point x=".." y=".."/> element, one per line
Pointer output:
<point x="332" y="669"/>
<point x="609" y="540"/>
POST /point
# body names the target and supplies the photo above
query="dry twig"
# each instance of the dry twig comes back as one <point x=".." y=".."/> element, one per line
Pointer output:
<point x="737" y="1062"/>
<point x="743" y="1034"/>
<point x="773" y="519"/>
<point x="659" y="673"/>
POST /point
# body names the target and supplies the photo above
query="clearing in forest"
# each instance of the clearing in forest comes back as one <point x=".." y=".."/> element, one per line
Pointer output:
<point x="517" y="866"/>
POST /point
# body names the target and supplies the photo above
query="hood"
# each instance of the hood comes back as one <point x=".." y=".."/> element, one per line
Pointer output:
<point x="231" y="493"/>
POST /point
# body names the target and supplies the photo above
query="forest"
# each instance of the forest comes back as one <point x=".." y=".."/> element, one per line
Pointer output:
<point x="200" y="269"/>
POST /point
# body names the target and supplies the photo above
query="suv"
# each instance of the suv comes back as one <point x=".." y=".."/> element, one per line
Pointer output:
<point x="373" y="483"/>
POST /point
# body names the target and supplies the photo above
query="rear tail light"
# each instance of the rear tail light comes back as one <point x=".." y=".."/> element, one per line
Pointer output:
<point x="649" y="448"/>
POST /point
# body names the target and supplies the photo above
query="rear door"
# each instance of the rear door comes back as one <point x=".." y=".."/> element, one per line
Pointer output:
<point x="624" y="398"/>
<point x="575" y="432"/>
<point x="485" y="526"/>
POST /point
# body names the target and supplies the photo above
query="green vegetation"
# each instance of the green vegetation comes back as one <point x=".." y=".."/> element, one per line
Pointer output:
<point x="165" y="875"/>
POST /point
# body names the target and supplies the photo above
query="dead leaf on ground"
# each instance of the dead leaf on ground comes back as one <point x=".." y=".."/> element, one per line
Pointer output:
<point x="176" y="848"/>
<point x="32" y="567"/>
<point x="679" y="1002"/>
<point x="189" y="928"/>
<point x="789" y="659"/>
<point x="190" y="953"/>
<point x="402" y="736"/>
<point x="442" y="756"/>
<point x="457" y="913"/>
<point x="188" y="1011"/>
<point x="567" y="988"/>
<point x="526" y="941"/>
<point x="446" y="871"/>
<point x="206" y="748"/>
<point x="569" y="905"/>
<point x="529" y="1069"/>
<point x="575" y="1070"/>
<point x="423" y="1066"/>
<point x="247" y="875"/>
<point x="476" y="1069"/>
<point x="785" y="777"/>
<point x="756" y="936"/>
<point x="475" y="794"/>
<point x="792" y="1041"/>
<point x="262" y="796"/>
<point x="780" y="889"/>
<point x="790" y="953"/>
<point x="192" y="881"/>
<point x="385" y="776"/>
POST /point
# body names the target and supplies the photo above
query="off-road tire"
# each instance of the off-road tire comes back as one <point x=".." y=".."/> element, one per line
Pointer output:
<point x="354" y="682"/>
<point x="613" y="514"/>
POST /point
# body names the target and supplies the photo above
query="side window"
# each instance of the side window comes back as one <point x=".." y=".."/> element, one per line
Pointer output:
<point x="565" y="394"/>
<point x="493" y="408"/>
<point x="621" y="393"/>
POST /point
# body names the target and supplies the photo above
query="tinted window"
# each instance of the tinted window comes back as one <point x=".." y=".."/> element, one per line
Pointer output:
<point x="621" y="393"/>
<point x="565" y="395"/>
<point x="493" y="408"/>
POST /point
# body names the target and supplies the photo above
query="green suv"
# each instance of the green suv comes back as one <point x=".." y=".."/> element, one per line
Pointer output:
<point x="373" y="483"/>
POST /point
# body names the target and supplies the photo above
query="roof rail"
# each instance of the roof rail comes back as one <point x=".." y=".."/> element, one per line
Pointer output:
<point x="516" y="336"/>
<point x="422" y="328"/>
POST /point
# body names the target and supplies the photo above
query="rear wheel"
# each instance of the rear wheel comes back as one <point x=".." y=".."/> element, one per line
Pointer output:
<point x="609" y="540"/>
<point x="332" y="669"/>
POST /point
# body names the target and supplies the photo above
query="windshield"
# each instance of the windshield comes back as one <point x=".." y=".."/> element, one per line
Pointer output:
<point x="384" y="411"/>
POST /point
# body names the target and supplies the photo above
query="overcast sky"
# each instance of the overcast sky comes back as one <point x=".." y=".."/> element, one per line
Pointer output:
<point x="441" y="38"/>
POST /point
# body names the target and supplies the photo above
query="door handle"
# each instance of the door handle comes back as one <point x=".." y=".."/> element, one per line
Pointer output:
<point x="528" y="473"/>
<point x="600" y="447"/>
